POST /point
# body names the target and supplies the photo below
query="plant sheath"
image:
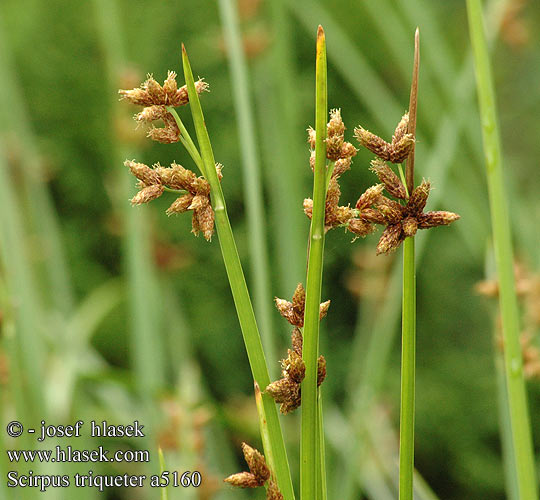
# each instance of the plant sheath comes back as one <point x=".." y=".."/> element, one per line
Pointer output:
<point x="239" y="289"/>
<point x="502" y="239"/>
<point x="310" y="423"/>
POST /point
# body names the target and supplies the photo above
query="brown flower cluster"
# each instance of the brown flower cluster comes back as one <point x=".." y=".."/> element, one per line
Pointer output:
<point x="293" y="311"/>
<point x="258" y="474"/>
<point x="401" y="217"/>
<point x="155" y="98"/>
<point x="337" y="150"/>
<point x="286" y="391"/>
<point x="340" y="153"/>
<point x="395" y="151"/>
<point x="195" y="192"/>
<point x="405" y="216"/>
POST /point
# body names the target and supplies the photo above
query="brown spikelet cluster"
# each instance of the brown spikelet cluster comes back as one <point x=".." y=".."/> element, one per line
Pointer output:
<point x="404" y="215"/>
<point x="286" y="391"/>
<point x="293" y="311"/>
<point x="528" y="291"/>
<point x="155" y="98"/>
<point x="258" y="474"/>
<point x="337" y="150"/>
<point x="340" y="153"/>
<point x="195" y="192"/>
<point x="395" y="151"/>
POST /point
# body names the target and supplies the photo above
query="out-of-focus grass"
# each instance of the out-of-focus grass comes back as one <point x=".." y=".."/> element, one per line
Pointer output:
<point x="251" y="169"/>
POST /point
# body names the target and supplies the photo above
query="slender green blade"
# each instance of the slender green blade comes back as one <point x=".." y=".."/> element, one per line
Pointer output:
<point x="239" y="289"/>
<point x="310" y="421"/>
<point x="165" y="490"/>
<point x="502" y="236"/>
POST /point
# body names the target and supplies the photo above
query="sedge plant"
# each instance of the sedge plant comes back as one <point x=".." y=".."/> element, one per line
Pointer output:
<point x="304" y="369"/>
<point x="502" y="241"/>
<point x="204" y="197"/>
<point x="402" y="219"/>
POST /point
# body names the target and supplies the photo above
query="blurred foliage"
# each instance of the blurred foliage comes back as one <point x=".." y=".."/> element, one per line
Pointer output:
<point x="62" y="119"/>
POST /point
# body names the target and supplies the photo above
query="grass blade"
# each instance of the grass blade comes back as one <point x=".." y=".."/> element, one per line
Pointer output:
<point x="502" y="236"/>
<point x="253" y="192"/>
<point x="310" y="421"/>
<point x="162" y="468"/>
<point x="239" y="289"/>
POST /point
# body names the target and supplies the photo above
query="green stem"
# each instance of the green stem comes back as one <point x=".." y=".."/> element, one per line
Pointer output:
<point x="187" y="141"/>
<point x="239" y="289"/>
<point x="502" y="238"/>
<point x="408" y="355"/>
<point x="309" y="436"/>
<point x="322" y="487"/>
<point x="505" y="430"/>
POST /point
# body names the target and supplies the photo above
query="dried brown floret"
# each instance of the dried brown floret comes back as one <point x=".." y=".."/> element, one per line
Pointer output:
<point x="143" y="172"/>
<point x="335" y="126"/>
<point x="205" y="222"/>
<point x="390" y="239"/>
<point x="155" y="91"/>
<point x="294" y="366"/>
<point x="410" y="226"/>
<point x="177" y="177"/>
<point x="256" y="463"/>
<point x="285" y="392"/>
<point x="199" y="202"/>
<point x="418" y="198"/>
<point x="391" y="181"/>
<point x="323" y="309"/>
<point x="181" y="97"/>
<point x="151" y="114"/>
<point x="311" y="137"/>
<point x="180" y="205"/>
<point x="258" y="470"/>
<point x="170" y="87"/>
<point x="243" y="480"/>
<point x="401" y="128"/>
<point x="334" y="145"/>
<point x="370" y="196"/>
<point x="164" y="135"/>
<point x="401" y="149"/>
<point x="436" y="218"/>
<point x="372" y="215"/>
<point x="321" y="370"/>
<point x="297" y="341"/>
<point x="394" y="152"/>
<point x="293" y="311"/>
<point x="348" y="150"/>
<point x="147" y="194"/>
<point x="360" y="227"/>
<point x="273" y="493"/>
<point x="341" y="166"/>
<point x="151" y="93"/>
